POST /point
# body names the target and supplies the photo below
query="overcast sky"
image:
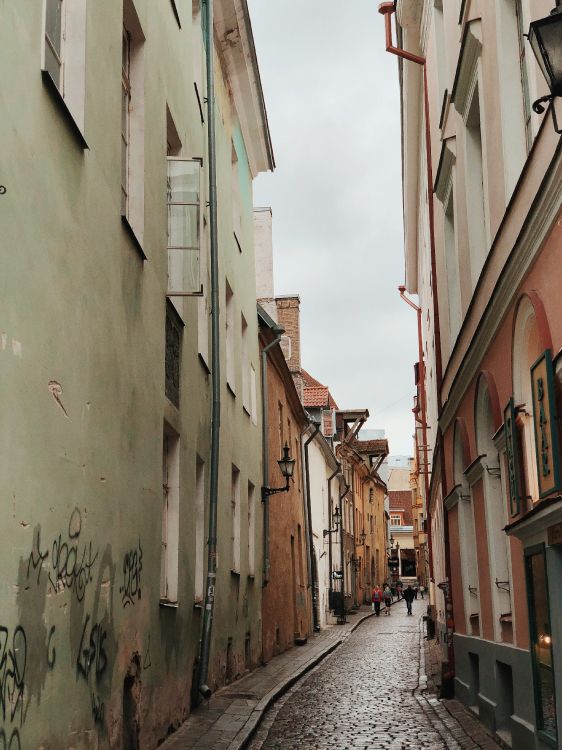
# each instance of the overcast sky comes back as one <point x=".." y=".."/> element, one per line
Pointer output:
<point x="332" y="98"/>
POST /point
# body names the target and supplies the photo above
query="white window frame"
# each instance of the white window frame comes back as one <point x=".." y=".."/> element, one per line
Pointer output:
<point x="183" y="292"/>
<point x="235" y="521"/>
<point x="169" y="561"/>
<point x="199" y="578"/>
<point x="251" y="529"/>
<point x="229" y="338"/>
<point x="70" y="84"/>
<point x="246" y="397"/>
<point x="132" y="212"/>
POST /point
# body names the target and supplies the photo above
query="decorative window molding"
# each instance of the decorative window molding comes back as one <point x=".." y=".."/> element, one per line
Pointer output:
<point x="63" y="59"/>
<point x="474" y="472"/>
<point x="466" y="75"/>
<point x="532" y="235"/>
<point x="445" y="170"/>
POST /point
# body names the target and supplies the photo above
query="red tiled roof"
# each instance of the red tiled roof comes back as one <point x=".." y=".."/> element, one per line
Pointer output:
<point x="376" y="447"/>
<point x="400" y="498"/>
<point x="315" y="394"/>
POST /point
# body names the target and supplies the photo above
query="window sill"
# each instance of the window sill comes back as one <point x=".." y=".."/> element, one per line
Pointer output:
<point x="251" y="577"/>
<point x="203" y="363"/>
<point x="235" y="573"/>
<point x="168" y="604"/>
<point x="131" y="232"/>
<point x="59" y="101"/>
<point x="198" y="604"/>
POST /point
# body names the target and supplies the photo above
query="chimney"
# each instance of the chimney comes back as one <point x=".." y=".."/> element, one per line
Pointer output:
<point x="263" y="250"/>
<point x="288" y="317"/>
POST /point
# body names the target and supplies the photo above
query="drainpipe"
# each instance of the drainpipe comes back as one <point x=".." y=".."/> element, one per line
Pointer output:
<point x="387" y="9"/>
<point x="313" y="570"/>
<point x="330" y="561"/>
<point x="342" y="557"/>
<point x="205" y="646"/>
<point x="278" y="331"/>
<point x="354" y="555"/>
<point x="423" y="419"/>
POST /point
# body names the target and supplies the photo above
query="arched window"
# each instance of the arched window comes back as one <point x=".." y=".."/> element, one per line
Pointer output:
<point x="467" y="536"/>
<point x="495" y="504"/>
<point x="526" y="349"/>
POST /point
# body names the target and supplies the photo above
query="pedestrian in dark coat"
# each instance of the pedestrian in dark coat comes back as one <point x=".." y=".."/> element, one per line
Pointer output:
<point x="408" y="597"/>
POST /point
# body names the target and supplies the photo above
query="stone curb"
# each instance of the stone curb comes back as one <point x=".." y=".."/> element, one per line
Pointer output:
<point x="246" y="733"/>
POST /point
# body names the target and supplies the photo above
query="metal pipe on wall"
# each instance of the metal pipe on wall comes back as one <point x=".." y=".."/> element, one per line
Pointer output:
<point x="265" y="450"/>
<point x="313" y="567"/>
<point x="342" y="556"/>
<point x="330" y="561"/>
<point x="207" y="627"/>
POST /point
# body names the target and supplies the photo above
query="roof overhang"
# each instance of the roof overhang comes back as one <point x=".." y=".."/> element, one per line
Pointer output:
<point x="236" y="42"/>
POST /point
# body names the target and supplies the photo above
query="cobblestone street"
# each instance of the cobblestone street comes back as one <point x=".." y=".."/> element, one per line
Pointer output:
<point x="368" y="694"/>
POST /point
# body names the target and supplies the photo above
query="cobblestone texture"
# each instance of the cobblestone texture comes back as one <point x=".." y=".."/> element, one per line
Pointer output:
<point x="370" y="694"/>
<point x="230" y="717"/>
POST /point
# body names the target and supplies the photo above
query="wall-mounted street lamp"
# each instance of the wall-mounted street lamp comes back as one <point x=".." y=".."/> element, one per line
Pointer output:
<point x="336" y="519"/>
<point x="545" y="38"/>
<point x="287" y="467"/>
<point x="362" y="536"/>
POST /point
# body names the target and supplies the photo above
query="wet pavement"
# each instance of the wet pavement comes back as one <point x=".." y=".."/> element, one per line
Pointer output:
<point x="369" y="694"/>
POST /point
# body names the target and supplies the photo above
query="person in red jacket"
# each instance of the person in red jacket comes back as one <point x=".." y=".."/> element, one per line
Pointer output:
<point x="377" y="599"/>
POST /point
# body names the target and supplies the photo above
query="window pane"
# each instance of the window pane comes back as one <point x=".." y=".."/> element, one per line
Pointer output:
<point x="183" y="271"/>
<point x="52" y="65"/>
<point x="183" y="181"/>
<point x="53" y="24"/>
<point x="183" y="226"/>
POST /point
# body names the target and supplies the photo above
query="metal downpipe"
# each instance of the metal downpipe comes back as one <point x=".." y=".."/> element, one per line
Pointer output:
<point x="205" y="647"/>
<point x="330" y="561"/>
<point x="342" y="556"/>
<point x="313" y="567"/>
<point x="265" y="452"/>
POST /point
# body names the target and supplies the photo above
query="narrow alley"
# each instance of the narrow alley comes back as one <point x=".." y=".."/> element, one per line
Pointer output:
<point x="370" y="694"/>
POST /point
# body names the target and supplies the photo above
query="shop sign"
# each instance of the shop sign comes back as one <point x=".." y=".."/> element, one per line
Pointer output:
<point x="512" y="451"/>
<point x="554" y="534"/>
<point x="546" y="427"/>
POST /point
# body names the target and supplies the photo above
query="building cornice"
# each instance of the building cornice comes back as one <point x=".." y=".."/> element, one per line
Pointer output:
<point x="236" y="42"/>
<point x="540" y="219"/>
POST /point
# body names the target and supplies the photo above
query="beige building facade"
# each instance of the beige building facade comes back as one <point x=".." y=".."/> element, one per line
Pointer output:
<point x="106" y="365"/>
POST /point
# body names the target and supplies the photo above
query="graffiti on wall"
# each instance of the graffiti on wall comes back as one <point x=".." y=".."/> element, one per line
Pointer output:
<point x="71" y="559"/>
<point x="69" y="565"/>
<point x="13" y="662"/>
<point x="130" y="589"/>
<point x="10" y="741"/>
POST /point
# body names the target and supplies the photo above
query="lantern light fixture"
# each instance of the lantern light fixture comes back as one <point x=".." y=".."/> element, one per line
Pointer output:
<point x="287" y="467"/>
<point x="545" y="38"/>
<point x="336" y="519"/>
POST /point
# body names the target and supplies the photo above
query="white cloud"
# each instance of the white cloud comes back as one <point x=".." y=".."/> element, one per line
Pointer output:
<point x="332" y="99"/>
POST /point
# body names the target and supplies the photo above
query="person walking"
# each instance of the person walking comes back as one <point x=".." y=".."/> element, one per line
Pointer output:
<point x="422" y="590"/>
<point x="408" y="596"/>
<point x="416" y="588"/>
<point x="387" y="596"/>
<point x="377" y="599"/>
<point x="399" y="587"/>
